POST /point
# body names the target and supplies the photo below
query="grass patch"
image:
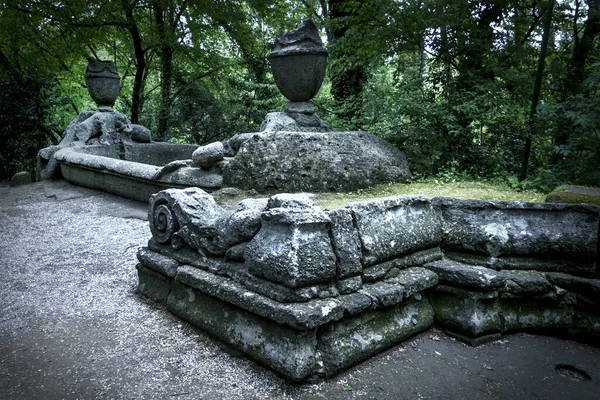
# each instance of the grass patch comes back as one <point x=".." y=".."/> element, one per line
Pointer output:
<point x="468" y="189"/>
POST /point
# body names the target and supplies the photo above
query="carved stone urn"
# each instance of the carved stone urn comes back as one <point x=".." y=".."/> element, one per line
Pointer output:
<point x="298" y="62"/>
<point x="103" y="83"/>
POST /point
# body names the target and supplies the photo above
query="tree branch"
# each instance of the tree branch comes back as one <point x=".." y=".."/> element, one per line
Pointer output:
<point x="536" y="19"/>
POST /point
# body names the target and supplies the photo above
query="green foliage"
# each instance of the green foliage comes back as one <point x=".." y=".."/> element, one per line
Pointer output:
<point x="448" y="82"/>
<point x="578" y="160"/>
<point x="26" y="110"/>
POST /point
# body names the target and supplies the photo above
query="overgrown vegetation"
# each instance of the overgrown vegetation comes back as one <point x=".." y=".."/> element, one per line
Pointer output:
<point x="449" y="82"/>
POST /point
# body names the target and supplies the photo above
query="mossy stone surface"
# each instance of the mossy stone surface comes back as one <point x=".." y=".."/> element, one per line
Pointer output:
<point x="575" y="195"/>
<point x="534" y="314"/>
<point x="288" y="351"/>
<point x="347" y="342"/>
<point x="467" y="312"/>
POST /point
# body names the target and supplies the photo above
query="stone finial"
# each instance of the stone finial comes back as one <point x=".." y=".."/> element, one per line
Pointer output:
<point x="303" y="39"/>
<point x="103" y="83"/>
<point x="298" y="62"/>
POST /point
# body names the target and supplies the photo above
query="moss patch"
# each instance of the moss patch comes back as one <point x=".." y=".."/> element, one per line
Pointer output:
<point x="575" y="195"/>
<point x="468" y="189"/>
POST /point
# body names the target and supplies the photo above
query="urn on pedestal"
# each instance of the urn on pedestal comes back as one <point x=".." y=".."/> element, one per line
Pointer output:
<point x="103" y="83"/>
<point x="298" y="62"/>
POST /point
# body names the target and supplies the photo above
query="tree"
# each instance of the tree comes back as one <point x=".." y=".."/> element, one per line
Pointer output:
<point x="536" y="89"/>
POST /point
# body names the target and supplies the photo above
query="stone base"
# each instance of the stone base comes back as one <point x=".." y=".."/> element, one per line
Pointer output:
<point x="477" y="317"/>
<point x="298" y="354"/>
<point x="345" y="343"/>
<point x="315" y="162"/>
<point x="153" y="285"/>
<point x="288" y="351"/>
<point x="313" y="292"/>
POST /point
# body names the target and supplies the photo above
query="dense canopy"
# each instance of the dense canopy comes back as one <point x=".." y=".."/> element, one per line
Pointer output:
<point x="452" y="83"/>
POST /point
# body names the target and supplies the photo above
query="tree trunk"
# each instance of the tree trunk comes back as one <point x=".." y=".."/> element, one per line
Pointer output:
<point x="581" y="51"/>
<point x="166" y="70"/>
<point x="481" y="40"/>
<point x="573" y="83"/>
<point x="536" y="90"/>
<point x="140" y="62"/>
<point x="347" y="82"/>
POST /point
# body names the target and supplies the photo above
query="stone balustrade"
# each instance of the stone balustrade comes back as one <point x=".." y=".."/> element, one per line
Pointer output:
<point x="311" y="292"/>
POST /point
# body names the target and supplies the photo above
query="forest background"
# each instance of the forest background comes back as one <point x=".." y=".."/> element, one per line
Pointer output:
<point x="449" y="82"/>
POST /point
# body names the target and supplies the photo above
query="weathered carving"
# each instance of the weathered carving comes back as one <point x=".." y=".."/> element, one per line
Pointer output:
<point x="192" y="217"/>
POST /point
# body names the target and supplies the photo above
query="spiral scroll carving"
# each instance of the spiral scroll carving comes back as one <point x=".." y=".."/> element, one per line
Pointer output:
<point x="163" y="222"/>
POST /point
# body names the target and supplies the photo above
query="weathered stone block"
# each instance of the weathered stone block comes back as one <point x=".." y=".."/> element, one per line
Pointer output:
<point x="192" y="217"/>
<point x="235" y="142"/>
<point x="236" y="252"/>
<point x="349" y="285"/>
<point x="241" y="225"/>
<point x="354" y="339"/>
<point x="290" y="200"/>
<point x="278" y="121"/>
<point x="384" y="269"/>
<point x="285" y="294"/>
<point x="393" y="290"/>
<point x="301" y="315"/>
<point x="516" y="235"/>
<point x="355" y="303"/>
<point x="585" y="286"/>
<point x="288" y="351"/>
<point x="462" y="311"/>
<point x="314" y="161"/>
<point x="208" y="155"/>
<point x="20" y="179"/>
<point x="152" y="284"/>
<point x="189" y="216"/>
<point x="140" y="133"/>
<point x="534" y="314"/>
<point x="384" y="293"/>
<point x="158" y="262"/>
<point x="346" y="244"/>
<point x="415" y="280"/>
<point x="389" y="228"/>
<point x="466" y="276"/>
<point x="525" y="283"/>
<point x="292" y="248"/>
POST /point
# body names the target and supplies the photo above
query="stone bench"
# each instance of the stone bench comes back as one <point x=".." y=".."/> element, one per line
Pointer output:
<point x="305" y="291"/>
<point x="514" y="266"/>
<point x="311" y="292"/>
<point x="478" y="303"/>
